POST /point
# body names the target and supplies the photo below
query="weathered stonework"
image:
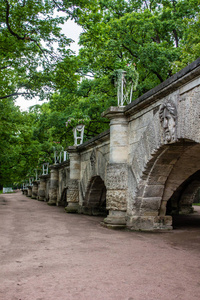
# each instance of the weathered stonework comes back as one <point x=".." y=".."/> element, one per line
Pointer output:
<point x="63" y="183"/>
<point x="42" y="188"/>
<point x="149" y="223"/>
<point x="29" y="191"/>
<point x="73" y="191"/>
<point x="117" y="177"/>
<point x="138" y="167"/>
<point x="35" y="190"/>
<point x="168" y="118"/>
<point x="53" y="192"/>
<point x="93" y="159"/>
<point x="116" y="200"/>
<point x="73" y="184"/>
<point x="25" y="191"/>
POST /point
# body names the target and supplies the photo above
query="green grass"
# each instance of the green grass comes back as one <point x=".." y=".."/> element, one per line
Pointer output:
<point x="1" y="192"/>
<point x="196" y="204"/>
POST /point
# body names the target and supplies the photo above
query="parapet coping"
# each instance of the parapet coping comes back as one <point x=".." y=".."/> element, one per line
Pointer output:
<point x="45" y="176"/>
<point x="94" y="141"/>
<point x="60" y="165"/>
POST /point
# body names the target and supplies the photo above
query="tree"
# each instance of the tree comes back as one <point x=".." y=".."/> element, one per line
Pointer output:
<point x="150" y="34"/>
<point x="18" y="150"/>
<point x="29" y="31"/>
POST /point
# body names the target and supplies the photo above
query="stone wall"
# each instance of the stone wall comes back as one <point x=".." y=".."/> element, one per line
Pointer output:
<point x="139" y="167"/>
<point x="162" y="155"/>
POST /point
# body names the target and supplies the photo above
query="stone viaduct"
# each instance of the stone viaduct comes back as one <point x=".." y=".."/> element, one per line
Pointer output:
<point x="144" y="169"/>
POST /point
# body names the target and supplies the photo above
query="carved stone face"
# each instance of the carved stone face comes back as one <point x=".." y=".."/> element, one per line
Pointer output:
<point x="168" y="124"/>
<point x="168" y="114"/>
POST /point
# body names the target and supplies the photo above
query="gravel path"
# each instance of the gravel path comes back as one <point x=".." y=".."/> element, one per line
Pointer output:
<point x="46" y="254"/>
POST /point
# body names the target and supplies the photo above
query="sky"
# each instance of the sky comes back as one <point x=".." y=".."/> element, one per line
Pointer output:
<point x="71" y="30"/>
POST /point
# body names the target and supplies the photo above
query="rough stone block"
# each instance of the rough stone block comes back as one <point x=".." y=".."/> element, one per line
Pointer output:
<point x="72" y="208"/>
<point x="151" y="204"/>
<point x="116" y="200"/>
<point x="161" y="170"/>
<point x="117" y="177"/>
<point x="153" y="191"/>
<point x="149" y="223"/>
<point x="72" y="195"/>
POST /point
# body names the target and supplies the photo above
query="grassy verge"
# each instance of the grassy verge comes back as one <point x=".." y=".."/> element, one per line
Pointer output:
<point x="196" y="204"/>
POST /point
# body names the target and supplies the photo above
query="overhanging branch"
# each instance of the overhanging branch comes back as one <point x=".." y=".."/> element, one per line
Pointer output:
<point x="8" y="24"/>
<point x="14" y="94"/>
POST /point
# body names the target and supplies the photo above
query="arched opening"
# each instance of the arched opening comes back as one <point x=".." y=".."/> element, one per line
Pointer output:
<point x="180" y="205"/>
<point x="182" y="199"/>
<point x="95" y="198"/>
<point x="63" y="199"/>
<point x="172" y="173"/>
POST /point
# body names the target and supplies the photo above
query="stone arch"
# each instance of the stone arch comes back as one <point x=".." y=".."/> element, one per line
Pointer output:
<point x="94" y="165"/>
<point x="149" y="149"/>
<point x="63" y="198"/>
<point x="95" y="198"/>
<point x="161" y="163"/>
<point x="162" y="176"/>
<point x="182" y="177"/>
<point x="153" y="142"/>
<point x="182" y="199"/>
<point x="171" y="166"/>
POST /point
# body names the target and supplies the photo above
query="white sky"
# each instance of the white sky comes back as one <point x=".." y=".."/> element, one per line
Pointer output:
<point x="71" y="30"/>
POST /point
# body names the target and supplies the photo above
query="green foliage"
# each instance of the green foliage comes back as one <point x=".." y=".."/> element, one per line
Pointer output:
<point x="15" y="143"/>
<point x="20" y="148"/>
<point x="150" y="39"/>
<point x="151" y="34"/>
<point x="28" y="33"/>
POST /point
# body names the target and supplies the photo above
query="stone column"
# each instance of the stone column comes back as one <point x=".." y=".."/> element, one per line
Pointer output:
<point x="74" y="177"/>
<point x="35" y="190"/>
<point x="42" y="188"/>
<point x="29" y="191"/>
<point x="117" y="170"/>
<point x="53" y="188"/>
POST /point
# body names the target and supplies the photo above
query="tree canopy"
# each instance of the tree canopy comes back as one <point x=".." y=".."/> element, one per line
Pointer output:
<point x="31" y="44"/>
<point x="151" y="34"/>
<point x="153" y="38"/>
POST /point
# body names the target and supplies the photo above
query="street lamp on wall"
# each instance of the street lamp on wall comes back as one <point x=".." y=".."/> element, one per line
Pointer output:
<point x="78" y="132"/>
<point x="31" y="179"/>
<point x="45" y="168"/>
<point x="126" y="82"/>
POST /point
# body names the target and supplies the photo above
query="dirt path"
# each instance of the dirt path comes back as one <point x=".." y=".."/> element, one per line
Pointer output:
<point x="46" y="254"/>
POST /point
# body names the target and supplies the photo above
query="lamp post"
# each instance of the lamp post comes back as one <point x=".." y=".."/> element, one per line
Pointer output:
<point x="45" y="168"/>
<point x="57" y="155"/>
<point x="31" y="179"/>
<point x="126" y="82"/>
<point x="78" y="132"/>
<point x="65" y="155"/>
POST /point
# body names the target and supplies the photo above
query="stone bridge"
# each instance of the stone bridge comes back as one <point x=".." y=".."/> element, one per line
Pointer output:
<point x="145" y="168"/>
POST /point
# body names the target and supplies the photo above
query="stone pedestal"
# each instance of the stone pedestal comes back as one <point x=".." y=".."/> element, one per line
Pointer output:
<point x="42" y="188"/>
<point x="53" y="188"/>
<point x="35" y="190"/>
<point x="29" y="191"/>
<point x="117" y="172"/>
<point x="73" y="190"/>
<point x="25" y="192"/>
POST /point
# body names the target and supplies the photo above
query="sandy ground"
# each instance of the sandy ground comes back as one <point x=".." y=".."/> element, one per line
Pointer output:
<point x="47" y="254"/>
